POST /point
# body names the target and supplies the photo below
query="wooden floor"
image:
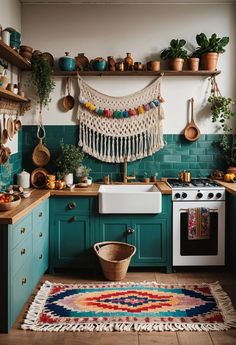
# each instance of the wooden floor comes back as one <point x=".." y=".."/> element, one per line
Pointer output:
<point x="226" y="279"/>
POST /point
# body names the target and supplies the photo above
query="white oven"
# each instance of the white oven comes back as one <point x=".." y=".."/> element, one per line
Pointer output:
<point x="205" y="251"/>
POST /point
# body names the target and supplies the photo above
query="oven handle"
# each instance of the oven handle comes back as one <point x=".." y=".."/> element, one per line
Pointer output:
<point x="210" y="209"/>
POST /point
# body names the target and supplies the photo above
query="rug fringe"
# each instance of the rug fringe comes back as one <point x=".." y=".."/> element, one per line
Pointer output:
<point x="224" y="303"/>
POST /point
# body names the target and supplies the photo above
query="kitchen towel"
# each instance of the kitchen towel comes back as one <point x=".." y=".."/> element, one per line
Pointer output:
<point x="198" y="223"/>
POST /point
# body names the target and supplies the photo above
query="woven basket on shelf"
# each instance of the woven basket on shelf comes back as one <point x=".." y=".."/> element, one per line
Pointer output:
<point x="114" y="258"/>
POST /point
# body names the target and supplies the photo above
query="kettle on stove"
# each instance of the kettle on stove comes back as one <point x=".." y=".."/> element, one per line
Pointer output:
<point x="185" y="176"/>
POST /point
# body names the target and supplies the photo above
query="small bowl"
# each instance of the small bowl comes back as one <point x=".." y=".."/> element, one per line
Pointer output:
<point x="6" y="206"/>
<point x="26" y="49"/>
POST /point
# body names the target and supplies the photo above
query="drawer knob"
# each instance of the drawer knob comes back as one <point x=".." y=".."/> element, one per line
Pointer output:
<point x="23" y="281"/>
<point x="72" y="219"/>
<point x="40" y="214"/>
<point x="130" y="231"/>
<point x="40" y="256"/>
<point x="22" y="252"/>
<point x="22" y="230"/>
<point x="40" y="234"/>
<point x="71" y="205"/>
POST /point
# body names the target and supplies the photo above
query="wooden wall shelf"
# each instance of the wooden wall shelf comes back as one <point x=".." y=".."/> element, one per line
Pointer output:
<point x="136" y="73"/>
<point x="10" y="55"/>
<point x="10" y="95"/>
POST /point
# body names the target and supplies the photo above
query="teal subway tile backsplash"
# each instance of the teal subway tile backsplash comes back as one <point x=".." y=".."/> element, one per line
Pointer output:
<point x="201" y="157"/>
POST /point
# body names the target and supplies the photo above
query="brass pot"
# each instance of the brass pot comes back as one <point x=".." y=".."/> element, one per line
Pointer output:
<point x="185" y="176"/>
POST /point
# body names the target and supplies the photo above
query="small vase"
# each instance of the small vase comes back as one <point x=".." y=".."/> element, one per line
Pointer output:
<point x="82" y="62"/>
<point x="193" y="64"/>
<point x="128" y="62"/>
<point x="111" y="63"/>
<point x="68" y="179"/>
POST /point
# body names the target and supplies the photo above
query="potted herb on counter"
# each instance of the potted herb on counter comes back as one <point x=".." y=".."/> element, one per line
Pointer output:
<point x="68" y="161"/>
<point x="83" y="173"/>
<point x="175" y="54"/>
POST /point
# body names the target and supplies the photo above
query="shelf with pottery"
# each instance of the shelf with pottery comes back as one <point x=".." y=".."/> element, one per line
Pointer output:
<point x="10" y="55"/>
<point x="10" y="95"/>
<point x="137" y="73"/>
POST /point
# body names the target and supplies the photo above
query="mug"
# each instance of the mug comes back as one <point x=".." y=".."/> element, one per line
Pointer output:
<point x="185" y="176"/>
<point x="6" y="37"/>
<point x="89" y="181"/>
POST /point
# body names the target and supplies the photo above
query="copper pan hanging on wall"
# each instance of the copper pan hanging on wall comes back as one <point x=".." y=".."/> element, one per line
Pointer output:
<point x="191" y="131"/>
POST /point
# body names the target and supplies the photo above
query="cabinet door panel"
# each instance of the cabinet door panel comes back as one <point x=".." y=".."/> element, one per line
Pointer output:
<point x="150" y="239"/>
<point x="114" y="229"/>
<point x="71" y="239"/>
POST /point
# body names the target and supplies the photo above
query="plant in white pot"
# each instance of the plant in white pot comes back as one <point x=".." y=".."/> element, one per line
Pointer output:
<point x="68" y="161"/>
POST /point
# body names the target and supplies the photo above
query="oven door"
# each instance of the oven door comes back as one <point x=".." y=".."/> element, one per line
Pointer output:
<point x="198" y="252"/>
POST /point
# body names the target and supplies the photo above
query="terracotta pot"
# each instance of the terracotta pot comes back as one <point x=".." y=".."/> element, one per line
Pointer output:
<point x="176" y="64"/>
<point x="193" y="64"/>
<point x="153" y="65"/>
<point x="209" y="61"/>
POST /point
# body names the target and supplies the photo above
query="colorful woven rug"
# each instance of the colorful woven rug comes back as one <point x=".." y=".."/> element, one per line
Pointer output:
<point x="147" y="306"/>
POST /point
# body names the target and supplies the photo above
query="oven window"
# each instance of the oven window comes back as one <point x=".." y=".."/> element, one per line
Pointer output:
<point x="199" y="247"/>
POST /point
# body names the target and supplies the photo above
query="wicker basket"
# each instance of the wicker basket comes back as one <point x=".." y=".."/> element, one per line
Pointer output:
<point x="114" y="258"/>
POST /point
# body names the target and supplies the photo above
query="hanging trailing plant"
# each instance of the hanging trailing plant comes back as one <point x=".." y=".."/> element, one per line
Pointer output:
<point x="42" y="79"/>
<point x="221" y="110"/>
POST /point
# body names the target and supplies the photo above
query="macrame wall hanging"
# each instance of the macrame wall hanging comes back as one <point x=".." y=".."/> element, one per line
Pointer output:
<point x="112" y="128"/>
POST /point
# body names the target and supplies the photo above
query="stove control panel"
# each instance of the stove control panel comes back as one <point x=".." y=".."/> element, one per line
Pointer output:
<point x="194" y="194"/>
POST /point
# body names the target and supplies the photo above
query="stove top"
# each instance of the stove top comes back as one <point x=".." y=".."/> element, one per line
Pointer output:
<point x="195" y="183"/>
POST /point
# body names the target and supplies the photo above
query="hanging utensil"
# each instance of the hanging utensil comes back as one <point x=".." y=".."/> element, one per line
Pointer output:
<point x="191" y="131"/>
<point x="10" y="128"/>
<point x="4" y="131"/>
<point x="41" y="154"/>
<point x="17" y="124"/>
<point x="68" y="101"/>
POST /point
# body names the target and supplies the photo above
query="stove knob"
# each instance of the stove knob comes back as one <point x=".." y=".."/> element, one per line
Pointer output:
<point x="184" y="195"/>
<point x="218" y="195"/>
<point x="199" y="195"/>
<point x="210" y="195"/>
<point x="177" y="195"/>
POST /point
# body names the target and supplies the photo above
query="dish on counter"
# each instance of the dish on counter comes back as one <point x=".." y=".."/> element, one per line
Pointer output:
<point x="9" y="201"/>
<point x="82" y="185"/>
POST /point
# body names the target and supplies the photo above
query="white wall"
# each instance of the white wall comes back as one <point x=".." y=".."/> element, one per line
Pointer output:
<point x="143" y="30"/>
<point x="10" y="16"/>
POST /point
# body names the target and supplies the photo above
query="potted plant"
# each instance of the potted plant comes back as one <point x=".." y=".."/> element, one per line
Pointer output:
<point x="209" y="49"/>
<point x="83" y="174"/>
<point x="175" y="54"/>
<point x="221" y="110"/>
<point x="41" y="77"/>
<point x="68" y="161"/>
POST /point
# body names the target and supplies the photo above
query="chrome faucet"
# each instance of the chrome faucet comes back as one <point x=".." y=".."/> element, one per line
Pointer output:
<point x="125" y="177"/>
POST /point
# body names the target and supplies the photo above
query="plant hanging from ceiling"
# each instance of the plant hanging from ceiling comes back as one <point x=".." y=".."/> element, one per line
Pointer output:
<point x="42" y="79"/>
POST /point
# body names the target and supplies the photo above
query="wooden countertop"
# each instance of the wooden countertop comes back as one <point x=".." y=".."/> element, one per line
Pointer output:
<point x="26" y="205"/>
<point x="38" y="195"/>
<point x="229" y="186"/>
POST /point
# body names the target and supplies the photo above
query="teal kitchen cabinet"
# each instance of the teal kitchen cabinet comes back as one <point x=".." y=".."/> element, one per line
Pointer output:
<point x="21" y="247"/>
<point x="151" y="234"/>
<point x="71" y="225"/>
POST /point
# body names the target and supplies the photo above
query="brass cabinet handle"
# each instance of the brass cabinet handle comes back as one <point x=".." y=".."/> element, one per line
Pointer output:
<point x="130" y="231"/>
<point x="23" y="281"/>
<point x="40" y="214"/>
<point x="40" y="256"/>
<point x="71" y="205"/>
<point x="40" y="234"/>
<point x="22" y="252"/>
<point x="22" y="230"/>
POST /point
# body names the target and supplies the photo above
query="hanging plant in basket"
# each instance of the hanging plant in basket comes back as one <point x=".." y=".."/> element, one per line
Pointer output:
<point x="221" y="110"/>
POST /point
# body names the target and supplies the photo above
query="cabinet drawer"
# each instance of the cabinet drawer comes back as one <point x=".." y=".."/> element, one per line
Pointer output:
<point x="41" y="261"/>
<point x="40" y="233"/>
<point x="79" y="204"/>
<point x="40" y="213"/>
<point x="21" y="254"/>
<point x="21" y="230"/>
<point x="21" y="288"/>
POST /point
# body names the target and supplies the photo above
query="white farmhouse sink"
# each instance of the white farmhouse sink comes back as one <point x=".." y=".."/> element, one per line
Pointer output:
<point x="129" y="199"/>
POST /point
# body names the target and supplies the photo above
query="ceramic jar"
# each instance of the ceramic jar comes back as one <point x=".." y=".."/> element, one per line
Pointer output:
<point x="67" y="63"/>
<point x="138" y="66"/>
<point x="99" y="64"/>
<point x="23" y="179"/>
<point x="82" y="62"/>
<point x="68" y="179"/>
<point x="128" y="62"/>
<point x="111" y="63"/>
